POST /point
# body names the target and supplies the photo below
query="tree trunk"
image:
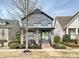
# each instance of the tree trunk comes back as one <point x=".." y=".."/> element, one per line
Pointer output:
<point x="22" y="38"/>
<point x="26" y="37"/>
<point x="27" y="25"/>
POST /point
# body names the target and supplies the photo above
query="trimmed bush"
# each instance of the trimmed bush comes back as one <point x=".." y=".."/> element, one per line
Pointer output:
<point x="22" y="46"/>
<point x="63" y="43"/>
<point x="57" y="39"/>
<point x="59" y="46"/>
<point x="14" y="45"/>
<point x="66" y="38"/>
<point x="32" y="44"/>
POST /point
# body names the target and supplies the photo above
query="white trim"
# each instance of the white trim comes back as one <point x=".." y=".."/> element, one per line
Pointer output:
<point x="71" y="21"/>
<point x="76" y="31"/>
<point x="67" y="30"/>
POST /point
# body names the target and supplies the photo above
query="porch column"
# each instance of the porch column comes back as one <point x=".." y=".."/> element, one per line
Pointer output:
<point x="67" y="30"/>
<point x="37" y="37"/>
<point x="76" y="31"/>
<point x="37" y="33"/>
<point x="52" y="36"/>
<point x="77" y="37"/>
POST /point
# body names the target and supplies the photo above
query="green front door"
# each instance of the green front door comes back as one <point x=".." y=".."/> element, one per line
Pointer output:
<point x="43" y="35"/>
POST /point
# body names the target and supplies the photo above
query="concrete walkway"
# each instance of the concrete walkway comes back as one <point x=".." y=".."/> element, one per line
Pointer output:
<point x="46" y="46"/>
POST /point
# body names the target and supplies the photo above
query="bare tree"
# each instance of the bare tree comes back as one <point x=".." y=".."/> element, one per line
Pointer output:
<point x="19" y="9"/>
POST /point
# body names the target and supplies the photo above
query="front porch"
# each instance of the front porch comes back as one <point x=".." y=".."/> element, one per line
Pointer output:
<point x="43" y="35"/>
<point x="73" y="32"/>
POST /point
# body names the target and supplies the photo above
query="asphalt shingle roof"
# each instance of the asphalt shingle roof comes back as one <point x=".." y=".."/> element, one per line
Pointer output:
<point x="64" y="20"/>
<point x="8" y="23"/>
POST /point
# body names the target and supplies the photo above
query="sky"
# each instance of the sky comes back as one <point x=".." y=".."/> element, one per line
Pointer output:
<point x="51" y="7"/>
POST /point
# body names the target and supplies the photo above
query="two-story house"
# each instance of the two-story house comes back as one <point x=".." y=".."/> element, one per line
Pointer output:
<point x="8" y="30"/>
<point x="67" y="25"/>
<point x="40" y="26"/>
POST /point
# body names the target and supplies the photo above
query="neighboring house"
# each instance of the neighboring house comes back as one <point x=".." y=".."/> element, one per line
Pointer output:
<point x="8" y="30"/>
<point x="40" y="26"/>
<point x="67" y="25"/>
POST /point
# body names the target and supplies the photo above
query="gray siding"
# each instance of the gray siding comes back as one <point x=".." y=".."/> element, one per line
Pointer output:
<point x="39" y="21"/>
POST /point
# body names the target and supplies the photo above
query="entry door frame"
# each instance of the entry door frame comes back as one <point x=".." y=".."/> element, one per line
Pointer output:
<point x="43" y="40"/>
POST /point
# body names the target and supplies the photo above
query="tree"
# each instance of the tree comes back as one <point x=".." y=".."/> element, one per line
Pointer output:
<point x="21" y="9"/>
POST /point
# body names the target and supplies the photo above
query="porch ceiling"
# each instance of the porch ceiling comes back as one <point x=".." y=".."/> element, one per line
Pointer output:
<point x="41" y="28"/>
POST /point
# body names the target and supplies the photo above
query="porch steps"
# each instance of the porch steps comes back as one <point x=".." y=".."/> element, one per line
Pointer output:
<point x="46" y="45"/>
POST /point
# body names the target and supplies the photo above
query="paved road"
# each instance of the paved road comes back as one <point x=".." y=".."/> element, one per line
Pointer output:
<point x="35" y="58"/>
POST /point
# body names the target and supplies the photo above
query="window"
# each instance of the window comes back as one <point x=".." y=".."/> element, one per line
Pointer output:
<point x="30" y="23"/>
<point x="44" y="23"/>
<point x="72" y="31"/>
<point x="3" y="32"/>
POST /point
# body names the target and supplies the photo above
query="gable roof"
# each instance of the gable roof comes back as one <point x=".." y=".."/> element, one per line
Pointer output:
<point x="9" y="23"/>
<point x="63" y="20"/>
<point x="72" y="19"/>
<point x="38" y="11"/>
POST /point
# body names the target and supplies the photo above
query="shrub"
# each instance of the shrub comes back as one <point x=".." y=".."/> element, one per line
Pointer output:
<point x="57" y="39"/>
<point x="22" y="46"/>
<point x="66" y="38"/>
<point x="59" y="46"/>
<point x="14" y="45"/>
<point x="63" y="43"/>
<point x="32" y="44"/>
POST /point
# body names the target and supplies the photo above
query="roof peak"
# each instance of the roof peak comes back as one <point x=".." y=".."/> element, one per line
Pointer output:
<point x="37" y="10"/>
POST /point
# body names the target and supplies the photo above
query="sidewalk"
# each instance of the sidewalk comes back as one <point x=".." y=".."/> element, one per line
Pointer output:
<point x="43" y="53"/>
<point x="37" y="58"/>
